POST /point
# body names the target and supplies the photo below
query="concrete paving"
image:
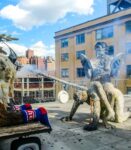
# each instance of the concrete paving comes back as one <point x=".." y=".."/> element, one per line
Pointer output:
<point x="71" y="136"/>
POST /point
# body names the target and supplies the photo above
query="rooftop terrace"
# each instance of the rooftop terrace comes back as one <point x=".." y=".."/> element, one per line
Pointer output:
<point x="70" y="135"/>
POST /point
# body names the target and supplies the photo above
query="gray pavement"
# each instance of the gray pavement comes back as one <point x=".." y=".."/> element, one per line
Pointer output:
<point x="71" y="136"/>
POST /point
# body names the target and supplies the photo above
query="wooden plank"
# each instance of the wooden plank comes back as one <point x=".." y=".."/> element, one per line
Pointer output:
<point x="23" y="130"/>
<point x="63" y="81"/>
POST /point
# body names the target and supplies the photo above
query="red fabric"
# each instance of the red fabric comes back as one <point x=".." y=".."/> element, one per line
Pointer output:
<point x="27" y="105"/>
<point x="43" y="110"/>
<point x="30" y="114"/>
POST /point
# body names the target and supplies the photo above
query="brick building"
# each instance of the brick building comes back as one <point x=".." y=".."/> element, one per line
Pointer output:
<point x="113" y="28"/>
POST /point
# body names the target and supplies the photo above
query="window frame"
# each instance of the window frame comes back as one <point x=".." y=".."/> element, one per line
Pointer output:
<point x="103" y="31"/>
<point x="128" y="49"/>
<point x="80" y="52"/>
<point x="80" y="38"/>
<point x="63" y="58"/>
<point x="128" y="72"/>
<point x="82" y="73"/>
<point x="66" y="74"/>
<point x="128" y="90"/>
<point x="128" y="26"/>
<point x="64" y="42"/>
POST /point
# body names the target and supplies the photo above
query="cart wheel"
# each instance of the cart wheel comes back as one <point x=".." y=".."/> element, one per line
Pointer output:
<point x="31" y="143"/>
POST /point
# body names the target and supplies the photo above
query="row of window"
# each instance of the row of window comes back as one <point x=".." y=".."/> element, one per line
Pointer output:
<point x="65" y="72"/>
<point x="80" y="72"/>
<point x="65" y="56"/>
<point x="101" y="34"/>
<point x="79" y="40"/>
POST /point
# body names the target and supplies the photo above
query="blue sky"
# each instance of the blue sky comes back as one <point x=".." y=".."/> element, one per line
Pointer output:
<point x="34" y="22"/>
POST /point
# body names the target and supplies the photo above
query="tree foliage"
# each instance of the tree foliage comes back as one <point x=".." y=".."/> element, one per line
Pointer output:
<point x="7" y="38"/>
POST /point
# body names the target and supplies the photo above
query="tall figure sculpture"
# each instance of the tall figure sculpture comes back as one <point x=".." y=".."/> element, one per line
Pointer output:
<point x="7" y="76"/>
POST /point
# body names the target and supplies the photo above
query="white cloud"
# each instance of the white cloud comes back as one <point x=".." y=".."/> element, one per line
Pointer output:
<point x="29" y="13"/>
<point x="19" y="49"/>
<point x="40" y="49"/>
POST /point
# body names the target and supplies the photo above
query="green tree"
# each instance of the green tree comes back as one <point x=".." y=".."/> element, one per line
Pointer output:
<point x="7" y="38"/>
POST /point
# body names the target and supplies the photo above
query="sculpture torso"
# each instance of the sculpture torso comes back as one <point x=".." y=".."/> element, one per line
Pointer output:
<point x="103" y="67"/>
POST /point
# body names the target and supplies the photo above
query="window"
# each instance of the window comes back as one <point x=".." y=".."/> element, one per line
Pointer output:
<point x="25" y="80"/>
<point x="64" y="57"/>
<point x="17" y="94"/>
<point x="99" y="34"/>
<point x="64" y="43"/>
<point x="128" y="26"/>
<point x="110" y="50"/>
<point x="128" y="90"/>
<point x="78" y="53"/>
<point x="32" y="94"/>
<point x="128" y="48"/>
<point x="25" y="94"/>
<point x="104" y="33"/>
<point x="128" y="71"/>
<point x="80" y="38"/>
<point x="64" y="73"/>
<point x="80" y="72"/>
<point x="33" y="80"/>
<point x="49" y="94"/>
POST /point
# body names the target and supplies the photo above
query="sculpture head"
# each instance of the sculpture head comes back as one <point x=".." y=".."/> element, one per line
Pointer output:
<point x="101" y="49"/>
<point x="82" y="95"/>
<point x="83" y="58"/>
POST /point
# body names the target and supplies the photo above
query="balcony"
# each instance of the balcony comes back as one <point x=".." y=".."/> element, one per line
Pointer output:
<point x="18" y="85"/>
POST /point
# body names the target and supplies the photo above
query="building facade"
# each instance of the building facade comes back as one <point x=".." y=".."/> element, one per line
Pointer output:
<point x="29" y="87"/>
<point x="114" y="29"/>
<point x="46" y="63"/>
<point x="29" y="53"/>
<point x="23" y="60"/>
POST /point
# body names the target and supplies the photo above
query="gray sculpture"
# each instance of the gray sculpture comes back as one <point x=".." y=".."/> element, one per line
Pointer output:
<point x="104" y="67"/>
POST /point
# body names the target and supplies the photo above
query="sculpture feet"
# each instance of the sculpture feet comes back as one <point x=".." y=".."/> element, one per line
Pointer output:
<point x="111" y="116"/>
<point x="109" y="126"/>
<point x="90" y="127"/>
<point x="67" y="118"/>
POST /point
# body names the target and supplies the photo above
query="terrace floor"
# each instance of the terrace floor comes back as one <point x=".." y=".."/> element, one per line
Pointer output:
<point x="71" y="136"/>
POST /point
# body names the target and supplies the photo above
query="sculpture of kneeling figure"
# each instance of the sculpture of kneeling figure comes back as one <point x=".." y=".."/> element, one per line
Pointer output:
<point x="116" y="100"/>
<point x="95" y="95"/>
